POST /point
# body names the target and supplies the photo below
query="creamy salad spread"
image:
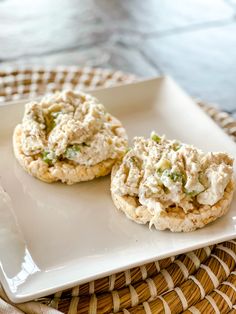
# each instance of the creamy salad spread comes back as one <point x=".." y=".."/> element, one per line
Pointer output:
<point x="162" y="174"/>
<point x="71" y="126"/>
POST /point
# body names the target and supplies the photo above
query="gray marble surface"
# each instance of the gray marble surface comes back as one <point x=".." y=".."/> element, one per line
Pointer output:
<point x="192" y="40"/>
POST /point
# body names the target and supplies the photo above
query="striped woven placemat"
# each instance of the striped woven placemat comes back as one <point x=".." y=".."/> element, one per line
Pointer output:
<point x="201" y="281"/>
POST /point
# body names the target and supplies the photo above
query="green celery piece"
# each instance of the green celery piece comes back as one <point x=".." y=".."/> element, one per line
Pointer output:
<point x="156" y="138"/>
<point x="72" y="151"/>
<point x="45" y="157"/>
<point x="191" y="193"/>
<point x="76" y="147"/>
<point x="175" y="176"/>
<point x="159" y="171"/>
<point x="176" y="147"/>
<point x="50" y="122"/>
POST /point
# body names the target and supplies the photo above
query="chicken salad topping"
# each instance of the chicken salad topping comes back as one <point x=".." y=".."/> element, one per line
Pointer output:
<point x="71" y="126"/>
<point x="164" y="173"/>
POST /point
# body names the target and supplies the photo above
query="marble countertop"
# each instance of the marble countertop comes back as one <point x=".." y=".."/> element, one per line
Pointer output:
<point x="194" y="41"/>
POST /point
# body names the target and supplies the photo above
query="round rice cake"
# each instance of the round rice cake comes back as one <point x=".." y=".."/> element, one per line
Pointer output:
<point x="68" y="137"/>
<point x="173" y="216"/>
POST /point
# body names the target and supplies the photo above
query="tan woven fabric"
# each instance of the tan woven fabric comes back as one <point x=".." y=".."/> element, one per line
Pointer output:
<point x="202" y="281"/>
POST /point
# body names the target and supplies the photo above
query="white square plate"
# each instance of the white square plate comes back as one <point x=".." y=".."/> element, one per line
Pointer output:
<point x="54" y="236"/>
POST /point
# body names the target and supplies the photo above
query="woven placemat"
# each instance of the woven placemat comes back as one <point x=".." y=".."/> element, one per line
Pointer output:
<point x="201" y="281"/>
